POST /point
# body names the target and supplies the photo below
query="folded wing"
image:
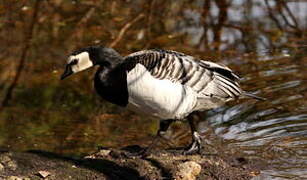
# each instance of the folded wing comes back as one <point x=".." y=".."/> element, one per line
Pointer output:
<point x="206" y="78"/>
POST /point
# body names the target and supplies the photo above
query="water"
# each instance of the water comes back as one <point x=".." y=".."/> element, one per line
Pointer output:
<point x="274" y="130"/>
<point x="67" y="117"/>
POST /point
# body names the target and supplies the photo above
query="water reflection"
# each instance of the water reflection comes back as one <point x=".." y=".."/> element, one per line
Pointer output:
<point x="275" y="131"/>
<point x="228" y="25"/>
<point x="263" y="41"/>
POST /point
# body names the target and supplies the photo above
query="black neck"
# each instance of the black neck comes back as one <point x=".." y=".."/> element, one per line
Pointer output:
<point x="111" y="84"/>
<point x="107" y="57"/>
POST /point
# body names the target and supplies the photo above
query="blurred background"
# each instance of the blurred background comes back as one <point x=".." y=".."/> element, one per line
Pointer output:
<point x="263" y="41"/>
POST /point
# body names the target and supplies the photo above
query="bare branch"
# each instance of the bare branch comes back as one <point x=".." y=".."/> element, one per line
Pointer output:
<point x="223" y="6"/>
<point x="287" y="9"/>
<point x="149" y="20"/>
<point x="279" y="8"/>
<point x="204" y="16"/>
<point x="24" y="52"/>
<point x="80" y="25"/>
<point x="124" y="29"/>
<point x="271" y="14"/>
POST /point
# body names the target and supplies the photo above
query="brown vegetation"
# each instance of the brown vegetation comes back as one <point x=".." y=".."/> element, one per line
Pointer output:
<point x="37" y="111"/>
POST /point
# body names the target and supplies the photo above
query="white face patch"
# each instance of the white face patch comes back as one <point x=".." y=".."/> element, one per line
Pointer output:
<point x="83" y="62"/>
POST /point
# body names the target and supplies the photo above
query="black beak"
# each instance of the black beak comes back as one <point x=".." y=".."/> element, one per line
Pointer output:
<point x="67" y="72"/>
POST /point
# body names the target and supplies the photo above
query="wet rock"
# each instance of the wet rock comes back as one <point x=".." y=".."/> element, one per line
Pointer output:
<point x="11" y="165"/>
<point x="14" y="178"/>
<point x="43" y="174"/>
<point x="6" y="161"/>
<point x="5" y="157"/>
<point x="100" y="153"/>
<point x="1" y="167"/>
<point x="188" y="171"/>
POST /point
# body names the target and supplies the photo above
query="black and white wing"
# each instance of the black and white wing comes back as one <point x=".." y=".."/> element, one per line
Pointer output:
<point x="204" y="77"/>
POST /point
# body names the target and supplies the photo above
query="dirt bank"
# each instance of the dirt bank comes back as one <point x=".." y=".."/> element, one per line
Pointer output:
<point x="120" y="165"/>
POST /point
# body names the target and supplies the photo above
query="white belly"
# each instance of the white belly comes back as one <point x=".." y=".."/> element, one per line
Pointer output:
<point x="160" y="98"/>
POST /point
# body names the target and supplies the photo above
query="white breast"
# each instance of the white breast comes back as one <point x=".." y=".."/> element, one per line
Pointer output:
<point x="160" y="98"/>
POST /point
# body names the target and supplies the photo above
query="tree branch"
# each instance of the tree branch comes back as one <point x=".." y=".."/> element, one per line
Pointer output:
<point x="124" y="29"/>
<point x="271" y="14"/>
<point x="79" y="28"/>
<point x="24" y="52"/>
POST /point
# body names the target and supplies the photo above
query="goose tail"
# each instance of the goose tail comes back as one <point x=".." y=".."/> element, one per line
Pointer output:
<point x="247" y="94"/>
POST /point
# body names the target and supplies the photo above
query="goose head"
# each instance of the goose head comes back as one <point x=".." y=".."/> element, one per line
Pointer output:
<point x="88" y="57"/>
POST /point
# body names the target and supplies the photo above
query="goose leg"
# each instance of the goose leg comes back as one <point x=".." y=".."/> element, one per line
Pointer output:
<point x="164" y="125"/>
<point x="195" y="146"/>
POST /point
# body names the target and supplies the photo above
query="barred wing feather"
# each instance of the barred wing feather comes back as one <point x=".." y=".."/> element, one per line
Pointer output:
<point x="206" y="78"/>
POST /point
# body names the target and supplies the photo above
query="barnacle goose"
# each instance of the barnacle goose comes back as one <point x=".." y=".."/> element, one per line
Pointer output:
<point x="167" y="84"/>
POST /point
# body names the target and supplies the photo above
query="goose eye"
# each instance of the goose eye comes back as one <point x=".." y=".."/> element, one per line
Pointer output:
<point x="74" y="62"/>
